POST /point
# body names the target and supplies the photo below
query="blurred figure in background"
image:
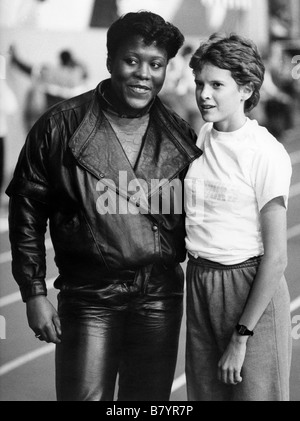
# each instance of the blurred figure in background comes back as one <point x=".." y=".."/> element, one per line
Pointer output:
<point x="275" y="109"/>
<point x="8" y="106"/>
<point x="169" y="92"/>
<point x="279" y="95"/>
<point x="178" y="92"/>
<point x="50" y="84"/>
<point x="279" y="110"/>
<point x="186" y="91"/>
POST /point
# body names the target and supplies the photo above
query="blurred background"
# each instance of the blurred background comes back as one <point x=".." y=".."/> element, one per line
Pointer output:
<point x="55" y="49"/>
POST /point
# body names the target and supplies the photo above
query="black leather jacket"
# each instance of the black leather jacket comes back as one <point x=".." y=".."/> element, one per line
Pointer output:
<point x="68" y="152"/>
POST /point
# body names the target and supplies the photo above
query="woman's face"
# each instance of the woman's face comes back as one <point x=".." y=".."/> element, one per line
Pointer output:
<point x="137" y="74"/>
<point x="220" y="99"/>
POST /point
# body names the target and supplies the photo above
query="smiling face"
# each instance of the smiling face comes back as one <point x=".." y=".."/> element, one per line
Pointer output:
<point x="137" y="75"/>
<point x="220" y="99"/>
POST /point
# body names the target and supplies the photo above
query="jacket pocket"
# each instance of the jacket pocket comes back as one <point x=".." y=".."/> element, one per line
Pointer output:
<point x="73" y="241"/>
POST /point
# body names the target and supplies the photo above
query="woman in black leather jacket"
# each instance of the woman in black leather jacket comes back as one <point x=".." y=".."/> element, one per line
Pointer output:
<point x="106" y="170"/>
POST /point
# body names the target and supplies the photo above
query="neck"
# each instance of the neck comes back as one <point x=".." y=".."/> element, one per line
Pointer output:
<point x="231" y="126"/>
<point x="114" y="103"/>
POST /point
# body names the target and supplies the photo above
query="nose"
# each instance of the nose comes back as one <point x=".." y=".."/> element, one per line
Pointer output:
<point x="206" y="92"/>
<point x="143" y="71"/>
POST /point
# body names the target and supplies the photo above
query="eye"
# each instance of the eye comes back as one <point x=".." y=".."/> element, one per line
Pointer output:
<point x="131" y="61"/>
<point x="217" y="85"/>
<point x="156" y="65"/>
<point x="198" y="84"/>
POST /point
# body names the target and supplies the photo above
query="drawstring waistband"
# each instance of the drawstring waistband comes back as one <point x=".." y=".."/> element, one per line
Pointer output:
<point x="253" y="261"/>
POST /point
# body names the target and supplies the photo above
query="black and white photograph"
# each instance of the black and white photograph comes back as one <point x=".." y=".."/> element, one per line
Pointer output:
<point x="149" y="203"/>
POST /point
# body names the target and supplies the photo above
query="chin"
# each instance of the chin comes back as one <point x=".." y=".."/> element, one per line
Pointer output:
<point x="138" y="106"/>
<point x="208" y="120"/>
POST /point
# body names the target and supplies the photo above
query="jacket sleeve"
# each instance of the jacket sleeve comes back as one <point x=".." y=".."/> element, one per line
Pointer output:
<point x="29" y="193"/>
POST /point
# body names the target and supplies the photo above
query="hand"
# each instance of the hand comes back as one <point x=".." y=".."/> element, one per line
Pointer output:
<point x="43" y="319"/>
<point x="232" y="360"/>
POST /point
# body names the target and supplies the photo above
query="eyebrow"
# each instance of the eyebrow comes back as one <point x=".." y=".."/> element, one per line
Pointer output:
<point x="157" y="55"/>
<point x="211" y="81"/>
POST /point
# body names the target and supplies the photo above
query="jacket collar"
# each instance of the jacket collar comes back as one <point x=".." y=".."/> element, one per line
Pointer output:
<point x="166" y="150"/>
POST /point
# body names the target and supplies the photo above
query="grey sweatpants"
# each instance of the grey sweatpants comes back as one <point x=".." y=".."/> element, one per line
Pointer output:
<point x="216" y="295"/>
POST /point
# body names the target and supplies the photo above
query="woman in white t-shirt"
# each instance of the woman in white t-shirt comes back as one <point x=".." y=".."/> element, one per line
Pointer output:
<point x="238" y="319"/>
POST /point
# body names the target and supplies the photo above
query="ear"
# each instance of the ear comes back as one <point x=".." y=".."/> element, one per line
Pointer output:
<point x="108" y="64"/>
<point x="246" y="91"/>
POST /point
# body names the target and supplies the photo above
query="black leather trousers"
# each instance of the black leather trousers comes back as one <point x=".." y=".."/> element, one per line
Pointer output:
<point x="125" y="330"/>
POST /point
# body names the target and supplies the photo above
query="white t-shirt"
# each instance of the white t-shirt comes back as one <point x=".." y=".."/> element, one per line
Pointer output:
<point x="226" y="188"/>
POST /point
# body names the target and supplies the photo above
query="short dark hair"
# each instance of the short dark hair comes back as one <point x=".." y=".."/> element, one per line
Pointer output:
<point x="237" y="54"/>
<point x="150" y="26"/>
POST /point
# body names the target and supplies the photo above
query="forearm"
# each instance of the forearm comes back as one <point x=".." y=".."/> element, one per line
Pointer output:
<point x="264" y="285"/>
<point x="267" y="279"/>
<point x="27" y="227"/>
<point x="24" y="67"/>
<point x="273" y="263"/>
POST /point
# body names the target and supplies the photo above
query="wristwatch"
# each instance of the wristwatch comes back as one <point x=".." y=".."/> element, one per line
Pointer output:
<point x="243" y="331"/>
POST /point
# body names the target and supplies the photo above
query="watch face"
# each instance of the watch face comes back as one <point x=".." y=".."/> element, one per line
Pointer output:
<point x="242" y="330"/>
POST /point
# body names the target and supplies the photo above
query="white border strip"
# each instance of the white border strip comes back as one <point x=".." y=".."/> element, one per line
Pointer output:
<point x="5" y="257"/>
<point x="3" y="224"/>
<point x="178" y="383"/>
<point x="26" y="358"/>
<point x="295" y="304"/>
<point x="293" y="232"/>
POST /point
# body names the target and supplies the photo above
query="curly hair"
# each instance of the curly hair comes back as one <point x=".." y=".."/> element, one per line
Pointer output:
<point x="237" y="54"/>
<point x="150" y="26"/>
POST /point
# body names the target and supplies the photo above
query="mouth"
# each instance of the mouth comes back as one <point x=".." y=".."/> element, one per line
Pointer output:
<point x="207" y="107"/>
<point x="140" y="89"/>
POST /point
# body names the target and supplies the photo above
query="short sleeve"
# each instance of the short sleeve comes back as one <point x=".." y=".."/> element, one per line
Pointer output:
<point x="202" y="135"/>
<point x="272" y="171"/>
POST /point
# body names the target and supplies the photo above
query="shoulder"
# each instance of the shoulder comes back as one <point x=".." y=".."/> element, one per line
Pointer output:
<point x="53" y="130"/>
<point x="262" y="142"/>
<point x="81" y="101"/>
<point x="65" y="114"/>
<point x="266" y="150"/>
